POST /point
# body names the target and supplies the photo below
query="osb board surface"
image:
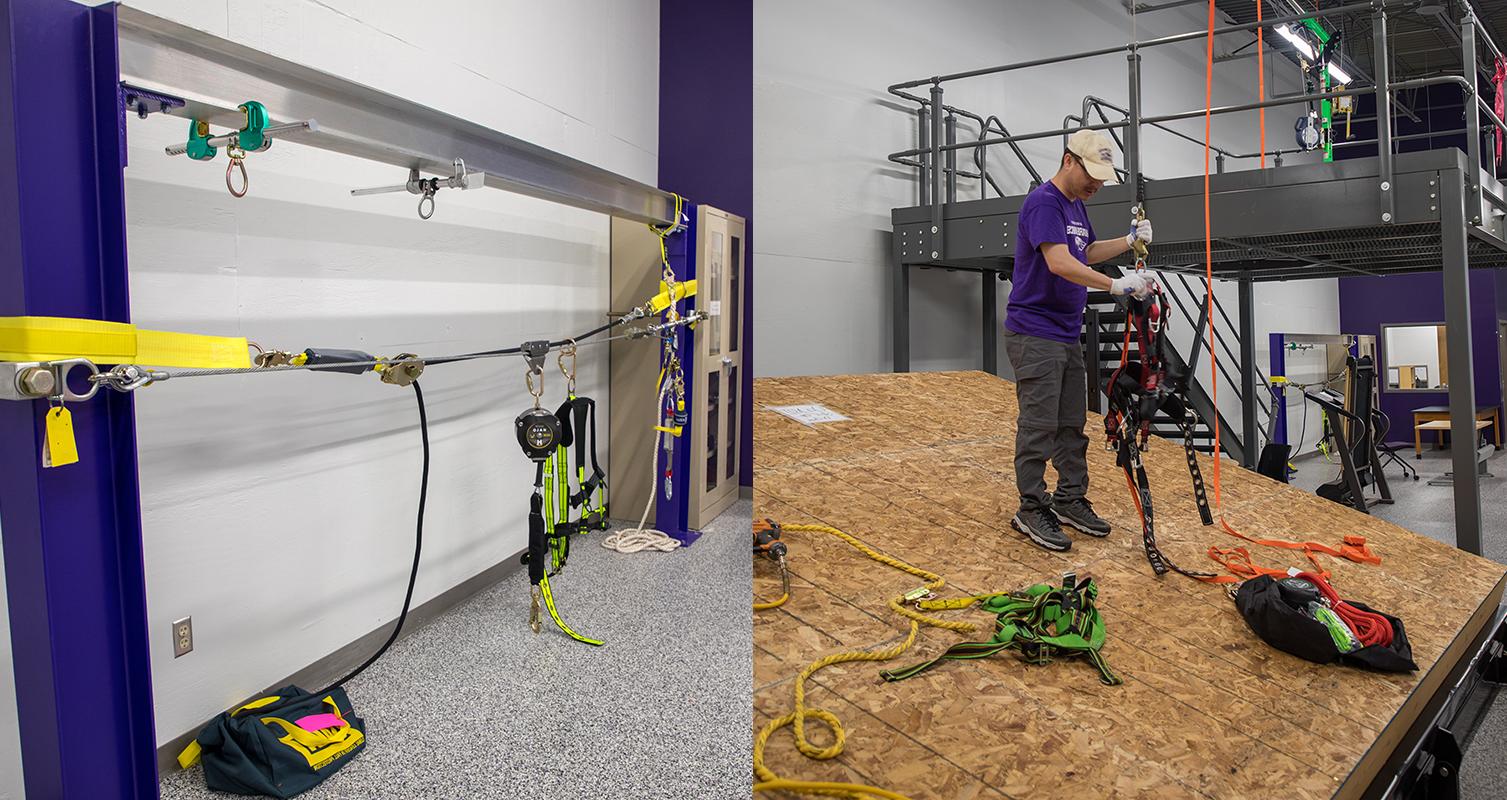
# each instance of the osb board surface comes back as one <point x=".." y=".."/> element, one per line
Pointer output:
<point x="923" y="470"/>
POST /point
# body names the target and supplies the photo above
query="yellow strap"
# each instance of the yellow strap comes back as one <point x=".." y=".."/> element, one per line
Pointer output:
<point x="955" y="603"/>
<point x="190" y="754"/>
<point x="265" y="701"/>
<point x="681" y="291"/>
<point x="58" y="338"/>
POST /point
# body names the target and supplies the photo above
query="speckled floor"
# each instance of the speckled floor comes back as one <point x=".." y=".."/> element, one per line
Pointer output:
<point x="473" y="705"/>
<point x="1429" y="510"/>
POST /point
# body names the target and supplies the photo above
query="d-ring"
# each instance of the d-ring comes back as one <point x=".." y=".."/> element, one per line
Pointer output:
<point x="429" y="198"/>
<point x="245" y="181"/>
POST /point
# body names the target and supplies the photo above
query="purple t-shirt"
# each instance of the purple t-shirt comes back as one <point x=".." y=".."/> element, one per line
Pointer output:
<point x="1042" y="304"/>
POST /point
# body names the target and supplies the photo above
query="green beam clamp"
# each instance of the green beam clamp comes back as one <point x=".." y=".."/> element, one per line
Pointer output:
<point x="251" y="138"/>
<point x="199" y="147"/>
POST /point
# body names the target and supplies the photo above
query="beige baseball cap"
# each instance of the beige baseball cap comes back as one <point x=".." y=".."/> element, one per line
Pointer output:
<point x="1098" y="153"/>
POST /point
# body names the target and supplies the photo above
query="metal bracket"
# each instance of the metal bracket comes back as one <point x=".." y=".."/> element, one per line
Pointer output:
<point x="39" y="380"/>
<point x="534" y="353"/>
<point x="428" y="187"/>
<point x="146" y="101"/>
<point x="403" y="370"/>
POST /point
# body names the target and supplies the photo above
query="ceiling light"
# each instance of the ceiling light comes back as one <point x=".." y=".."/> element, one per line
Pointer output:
<point x="1337" y="75"/>
<point x="1297" y="41"/>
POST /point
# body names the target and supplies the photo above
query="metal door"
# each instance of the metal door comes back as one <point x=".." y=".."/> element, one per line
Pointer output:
<point x="719" y="363"/>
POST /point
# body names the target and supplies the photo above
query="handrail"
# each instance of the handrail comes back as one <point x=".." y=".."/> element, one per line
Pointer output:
<point x="1124" y="48"/>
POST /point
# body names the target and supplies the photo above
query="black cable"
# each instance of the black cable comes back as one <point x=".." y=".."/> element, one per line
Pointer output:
<point x="418" y="548"/>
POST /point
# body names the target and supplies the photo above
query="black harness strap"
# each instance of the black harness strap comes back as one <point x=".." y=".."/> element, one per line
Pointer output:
<point x="1138" y="390"/>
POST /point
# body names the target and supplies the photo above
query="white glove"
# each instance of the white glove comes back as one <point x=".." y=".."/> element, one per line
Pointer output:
<point x="1141" y="231"/>
<point x="1135" y="284"/>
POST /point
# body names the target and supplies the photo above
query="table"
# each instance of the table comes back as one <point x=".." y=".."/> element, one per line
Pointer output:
<point x="1490" y="414"/>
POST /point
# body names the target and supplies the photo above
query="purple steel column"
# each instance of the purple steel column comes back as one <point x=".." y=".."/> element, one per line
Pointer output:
<point x="1279" y="401"/>
<point x="673" y="514"/>
<point x="72" y="535"/>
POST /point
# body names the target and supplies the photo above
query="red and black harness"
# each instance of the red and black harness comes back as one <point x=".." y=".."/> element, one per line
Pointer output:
<point x="1138" y="389"/>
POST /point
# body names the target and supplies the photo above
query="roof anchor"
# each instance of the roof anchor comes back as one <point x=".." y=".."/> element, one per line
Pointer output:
<point x="428" y="187"/>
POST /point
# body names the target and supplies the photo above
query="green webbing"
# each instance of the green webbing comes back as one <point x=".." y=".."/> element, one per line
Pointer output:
<point x="1036" y="625"/>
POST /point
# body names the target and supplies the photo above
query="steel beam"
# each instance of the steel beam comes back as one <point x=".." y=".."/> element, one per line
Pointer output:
<point x="1132" y="145"/>
<point x="900" y="315"/>
<point x="936" y="245"/>
<point x="1472" y="123"/>
<point x="215" y="75"/>
<point x="73" y="554"/>
<point x="1248" y="400"/>
<point x="1462" y="379"/>
<point x="1383" y="113"/>
<point x="991" y="321"/>
<point x="1092" y="360"/>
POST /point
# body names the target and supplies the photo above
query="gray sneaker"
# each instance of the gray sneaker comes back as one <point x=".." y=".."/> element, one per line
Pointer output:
<point x="1080" y="514"/>
<point x="1040" y="526"/>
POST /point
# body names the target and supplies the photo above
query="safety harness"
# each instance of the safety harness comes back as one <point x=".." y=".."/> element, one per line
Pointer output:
<point x="1139" y="389"/>
<point x="546" y="439"/>
<point x="577" y="420"/>
<point x="1499" y="81"/>
<point x="1041" y="623"/>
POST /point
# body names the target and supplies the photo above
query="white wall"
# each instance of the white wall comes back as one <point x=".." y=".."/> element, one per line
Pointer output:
<point x="278" y="510"/>
<point x="823" y="125"/>
<point x="11" y="787"/>
<point x="1418" y="345"/>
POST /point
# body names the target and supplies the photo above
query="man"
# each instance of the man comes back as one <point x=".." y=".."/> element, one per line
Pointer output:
<point x="1044" y="319"/>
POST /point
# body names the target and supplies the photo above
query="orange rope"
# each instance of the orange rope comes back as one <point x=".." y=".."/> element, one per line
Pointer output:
<point x="1261" y="77"/>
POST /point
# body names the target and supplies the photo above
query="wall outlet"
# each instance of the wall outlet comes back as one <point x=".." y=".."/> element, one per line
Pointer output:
<point x="183" y="637"/>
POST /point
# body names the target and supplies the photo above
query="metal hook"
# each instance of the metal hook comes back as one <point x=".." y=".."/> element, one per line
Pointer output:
<point x="536" y="391"/>
<point x="569" y="349"/>
<point x="237" y="160"/>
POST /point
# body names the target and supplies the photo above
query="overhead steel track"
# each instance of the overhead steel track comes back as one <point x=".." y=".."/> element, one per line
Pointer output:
<point x="214" y="76"/>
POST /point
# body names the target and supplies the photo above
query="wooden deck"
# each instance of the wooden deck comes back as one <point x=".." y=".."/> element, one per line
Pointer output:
<point x="924" y="472"/>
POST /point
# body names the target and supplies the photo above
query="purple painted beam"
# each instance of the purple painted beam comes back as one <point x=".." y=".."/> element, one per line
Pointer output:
<point x="72" y="535"/>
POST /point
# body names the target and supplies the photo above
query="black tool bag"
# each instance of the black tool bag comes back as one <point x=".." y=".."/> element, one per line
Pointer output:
<point x="279" y="746"/>
<point x="1288" y="629"/>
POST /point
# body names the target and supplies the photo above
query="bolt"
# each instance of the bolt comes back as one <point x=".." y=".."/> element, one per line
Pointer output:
<point x="1432" y="195"/>
<point x="933" y="229"/>
<point x="36" y="382"/>
<point x="1433" y="208"/>
<point x="934" y="254"/>
<point x="1386" y="217"/>
<point x="1386" y="186"/>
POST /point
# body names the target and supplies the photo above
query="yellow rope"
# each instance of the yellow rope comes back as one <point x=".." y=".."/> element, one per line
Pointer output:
<point x="768" y="781"/>
<point x="772" y="603"/>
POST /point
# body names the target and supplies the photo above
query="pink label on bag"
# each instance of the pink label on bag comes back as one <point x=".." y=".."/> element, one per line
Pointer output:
<point x="318" y="722"/>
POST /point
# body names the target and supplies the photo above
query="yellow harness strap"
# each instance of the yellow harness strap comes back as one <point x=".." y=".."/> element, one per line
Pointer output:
<point x="190" y="755"/>
<point x="59" y="338"/>
<point x="666" y="295"/>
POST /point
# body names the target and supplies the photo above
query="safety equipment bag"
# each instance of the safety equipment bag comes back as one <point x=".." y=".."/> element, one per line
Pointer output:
<point x="279" y="746"/>
<point x="1285" y="627"/>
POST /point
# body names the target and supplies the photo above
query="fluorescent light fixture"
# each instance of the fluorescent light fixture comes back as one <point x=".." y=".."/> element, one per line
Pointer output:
<point x="1338" y="75"/>
<point x="1297" y="41"/>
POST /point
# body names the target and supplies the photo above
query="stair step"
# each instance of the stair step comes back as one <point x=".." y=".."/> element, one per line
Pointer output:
<point x="1097" y="298"/>
<point x="1114" y="355"/>
<point x="1111" y="317"/>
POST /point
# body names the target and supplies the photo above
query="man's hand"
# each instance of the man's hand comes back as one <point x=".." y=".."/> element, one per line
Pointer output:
<point x="1141" y="232"/>
<point x="1135" y="284"/>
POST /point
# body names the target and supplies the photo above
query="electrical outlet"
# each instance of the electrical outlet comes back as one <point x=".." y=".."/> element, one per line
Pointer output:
<point x="183" y="637"/>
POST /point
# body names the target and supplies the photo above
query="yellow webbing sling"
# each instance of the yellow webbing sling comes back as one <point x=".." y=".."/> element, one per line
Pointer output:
<point x="59" y="338"/>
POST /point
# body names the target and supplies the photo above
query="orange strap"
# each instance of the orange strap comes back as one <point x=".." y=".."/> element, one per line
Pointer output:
<point x="1261" y="76"/>
<point x="1238" y="560"/>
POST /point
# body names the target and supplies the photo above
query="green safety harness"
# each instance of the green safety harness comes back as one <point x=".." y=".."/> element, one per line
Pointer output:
<point x="576" y="416"/>
<point x="1041" y="623"/>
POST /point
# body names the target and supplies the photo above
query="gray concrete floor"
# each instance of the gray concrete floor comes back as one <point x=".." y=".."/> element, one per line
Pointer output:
<point x="1429" y="510"/>
<point x="475" y="705"/>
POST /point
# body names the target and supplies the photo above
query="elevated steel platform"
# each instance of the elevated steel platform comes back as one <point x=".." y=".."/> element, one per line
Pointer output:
<point x="1286" y="223"/>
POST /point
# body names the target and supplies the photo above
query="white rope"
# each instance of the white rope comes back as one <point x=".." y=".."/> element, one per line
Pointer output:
<point x="639" y="539"/>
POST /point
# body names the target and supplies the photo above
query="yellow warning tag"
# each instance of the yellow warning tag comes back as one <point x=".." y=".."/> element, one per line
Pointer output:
<point x="59" y="449"/>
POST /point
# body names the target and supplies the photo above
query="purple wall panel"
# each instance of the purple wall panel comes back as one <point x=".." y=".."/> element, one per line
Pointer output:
<point x="706" y="136"/>
<point x="1368" y="303"/>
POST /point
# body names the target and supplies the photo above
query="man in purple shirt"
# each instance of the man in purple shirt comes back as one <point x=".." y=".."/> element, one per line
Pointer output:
<point x="1054" y="246"/>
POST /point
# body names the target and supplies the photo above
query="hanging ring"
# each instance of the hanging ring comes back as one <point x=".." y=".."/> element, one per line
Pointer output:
<point x="245" y="181"/>
<point x="427" y="198"/>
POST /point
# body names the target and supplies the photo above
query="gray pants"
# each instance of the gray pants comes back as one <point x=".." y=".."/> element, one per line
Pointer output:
<point x="1052" y="391"/>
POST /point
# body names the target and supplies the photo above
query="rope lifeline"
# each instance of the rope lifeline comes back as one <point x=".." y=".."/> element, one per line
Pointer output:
<point x="768" y="780"/>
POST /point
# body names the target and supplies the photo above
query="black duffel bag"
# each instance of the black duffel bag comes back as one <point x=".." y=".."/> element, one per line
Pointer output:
<point x="280" y="746"/>
<point x="1284" y="626"/>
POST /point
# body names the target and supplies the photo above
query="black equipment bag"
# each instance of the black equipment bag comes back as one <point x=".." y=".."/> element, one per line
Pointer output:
<point x="280" y="746"/>
<point x="1288" y="629"/>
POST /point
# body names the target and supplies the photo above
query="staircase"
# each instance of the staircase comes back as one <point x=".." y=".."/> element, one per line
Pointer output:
<point x="1104" y="337"/>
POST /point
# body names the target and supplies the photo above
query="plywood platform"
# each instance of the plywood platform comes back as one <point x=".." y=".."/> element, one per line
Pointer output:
<point x="924" y="472"/>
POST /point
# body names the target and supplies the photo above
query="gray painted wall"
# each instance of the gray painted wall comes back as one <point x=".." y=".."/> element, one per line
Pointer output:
<point x="823" y="190"/>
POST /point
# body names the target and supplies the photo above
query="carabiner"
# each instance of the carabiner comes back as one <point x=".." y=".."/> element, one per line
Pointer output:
<point x="237" y="160"/>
